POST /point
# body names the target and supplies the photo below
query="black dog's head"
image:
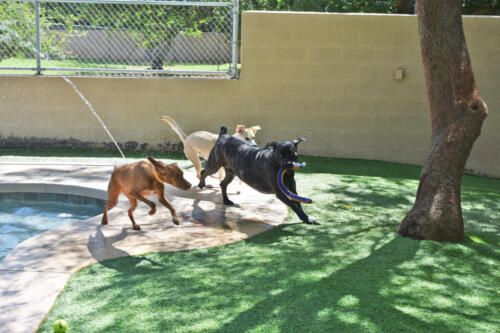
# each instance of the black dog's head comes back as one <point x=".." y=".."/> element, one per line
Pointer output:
<point x="284" y="152"/>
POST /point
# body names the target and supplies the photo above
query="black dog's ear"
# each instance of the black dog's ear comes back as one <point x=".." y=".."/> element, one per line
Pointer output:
<point x="271" y="144"/>
<point x="298" y="140"/>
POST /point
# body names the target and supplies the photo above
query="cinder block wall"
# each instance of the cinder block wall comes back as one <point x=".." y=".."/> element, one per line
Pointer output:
<point x="328" y="77"/>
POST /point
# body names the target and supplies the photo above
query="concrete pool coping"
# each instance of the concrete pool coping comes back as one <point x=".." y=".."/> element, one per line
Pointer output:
<point x="35" y="272"/>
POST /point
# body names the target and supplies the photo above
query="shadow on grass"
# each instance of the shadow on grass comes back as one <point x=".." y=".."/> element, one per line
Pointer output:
<point x="382" y="292"/>
<point x="343" y="166"/>
<point x="299" y="288"/>
<point x="347" y="300"/>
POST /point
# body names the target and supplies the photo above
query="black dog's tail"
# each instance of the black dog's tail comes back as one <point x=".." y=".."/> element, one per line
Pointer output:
<point x="223" y="130"/>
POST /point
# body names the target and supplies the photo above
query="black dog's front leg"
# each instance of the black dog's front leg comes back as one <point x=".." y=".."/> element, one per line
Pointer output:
<point x="223" y="185"/>
<point x="296" y="208"/>
<point x="203" y="175"/>
<point x="289" y="181"/>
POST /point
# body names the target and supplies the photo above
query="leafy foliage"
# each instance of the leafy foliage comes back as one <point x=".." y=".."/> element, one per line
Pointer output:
<point x="360" y="6"/>
<point x="18" y="30"/>
<point x="481" y="7"/>
<point x="484" y="7"/>
<point x="154" y="27"/>
<point x="12" y="41"/>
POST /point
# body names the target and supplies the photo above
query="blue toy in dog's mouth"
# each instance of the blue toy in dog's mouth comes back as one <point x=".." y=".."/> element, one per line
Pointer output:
<point x="290" y="195"/>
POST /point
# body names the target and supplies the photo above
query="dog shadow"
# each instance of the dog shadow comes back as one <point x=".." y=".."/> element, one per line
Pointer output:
<point x="101" y="247"/>
<point x="220" y="217"/>
<point x="212" y="194"/>
<point x="215" y="218"/>
<point x="103" y="251"/>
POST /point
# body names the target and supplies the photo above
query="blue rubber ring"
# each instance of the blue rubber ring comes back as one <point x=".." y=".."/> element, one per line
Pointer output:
<point x="290" y="195"/>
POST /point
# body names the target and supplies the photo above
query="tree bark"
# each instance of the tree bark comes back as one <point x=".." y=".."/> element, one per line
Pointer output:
<point x="457" y="114"/>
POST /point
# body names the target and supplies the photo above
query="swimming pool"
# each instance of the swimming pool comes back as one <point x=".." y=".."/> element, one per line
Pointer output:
<point x="24" y="215"/>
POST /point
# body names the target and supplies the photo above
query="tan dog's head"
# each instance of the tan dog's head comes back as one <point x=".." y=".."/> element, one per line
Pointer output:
<point x="170" y="174"/>
<point x="246" y="134"/>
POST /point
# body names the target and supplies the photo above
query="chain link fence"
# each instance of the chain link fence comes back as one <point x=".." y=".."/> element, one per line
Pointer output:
<point x="119" y="37"/>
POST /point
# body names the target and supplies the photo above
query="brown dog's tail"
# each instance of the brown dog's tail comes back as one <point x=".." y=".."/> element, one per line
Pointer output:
<point x="177" y="129"/>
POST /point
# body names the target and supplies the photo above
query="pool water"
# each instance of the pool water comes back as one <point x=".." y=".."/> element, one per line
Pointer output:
<point x="21" y="219"/>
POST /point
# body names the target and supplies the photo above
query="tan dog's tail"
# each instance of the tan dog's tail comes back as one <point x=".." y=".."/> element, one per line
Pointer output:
<point x="177" y="129"/>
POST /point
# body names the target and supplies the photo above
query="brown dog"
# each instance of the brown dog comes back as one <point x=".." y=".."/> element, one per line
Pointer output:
<point x="140" y="179"/>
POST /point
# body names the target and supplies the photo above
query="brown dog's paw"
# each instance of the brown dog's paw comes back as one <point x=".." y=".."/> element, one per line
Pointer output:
<point x="137" y="227"/>
<point x="152" y="211"/>
<point x="175" y="220"/>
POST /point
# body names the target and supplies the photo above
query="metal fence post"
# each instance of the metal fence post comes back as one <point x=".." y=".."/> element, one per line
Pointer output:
<point x="38" y="48"/>
<point x="234" y="42"/>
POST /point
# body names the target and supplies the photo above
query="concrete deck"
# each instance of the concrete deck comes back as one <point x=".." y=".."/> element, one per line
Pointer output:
<point x="34" y="273"/>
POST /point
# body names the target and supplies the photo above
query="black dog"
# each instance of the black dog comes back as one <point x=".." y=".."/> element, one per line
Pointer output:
<point x="257" y="167"/>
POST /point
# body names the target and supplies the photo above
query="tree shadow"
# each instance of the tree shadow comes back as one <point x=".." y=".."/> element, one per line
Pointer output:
<point x="354" y="304"/>
<point x="369" y="168"/>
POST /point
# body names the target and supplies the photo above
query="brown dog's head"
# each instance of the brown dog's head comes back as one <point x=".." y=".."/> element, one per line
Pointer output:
<point x="170" y="174"/>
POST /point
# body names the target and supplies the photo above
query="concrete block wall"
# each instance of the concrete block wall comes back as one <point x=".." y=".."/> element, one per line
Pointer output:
<point x="328" y="77"/>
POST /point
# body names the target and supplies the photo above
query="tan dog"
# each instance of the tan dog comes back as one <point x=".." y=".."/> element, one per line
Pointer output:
<point x="141" y="179"/>
<point x="198" y="144"/>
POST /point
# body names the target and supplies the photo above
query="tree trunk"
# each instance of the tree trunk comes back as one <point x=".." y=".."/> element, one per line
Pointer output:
<point x="457" y="113"/>
<point x="156" y="56"/>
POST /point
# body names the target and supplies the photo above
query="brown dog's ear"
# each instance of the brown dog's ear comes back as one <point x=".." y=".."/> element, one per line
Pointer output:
<point x="152" y="160"/>
<point x="240" y="128"/>
<point x="298" y="140"/>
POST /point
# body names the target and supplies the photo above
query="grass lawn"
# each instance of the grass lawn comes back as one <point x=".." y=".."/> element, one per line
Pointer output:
<point x="351" y="274"/>
<point x="85" y="63"/>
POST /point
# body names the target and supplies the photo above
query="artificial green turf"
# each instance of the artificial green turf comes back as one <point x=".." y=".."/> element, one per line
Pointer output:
<point x="351" y="274"/>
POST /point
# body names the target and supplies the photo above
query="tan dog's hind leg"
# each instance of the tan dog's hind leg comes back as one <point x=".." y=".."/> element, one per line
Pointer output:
<point x="221" y="174"/>
<point x="195" y="159"/>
